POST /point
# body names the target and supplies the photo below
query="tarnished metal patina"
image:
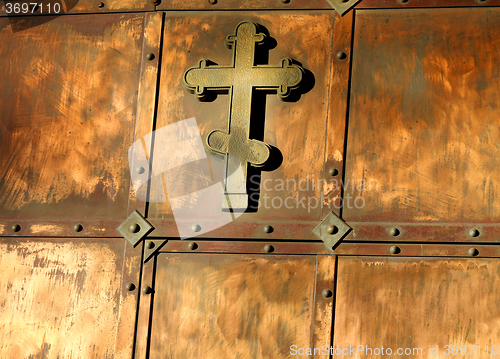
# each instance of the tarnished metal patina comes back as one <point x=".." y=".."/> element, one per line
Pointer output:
<point x="343" y="6"/>
<point x="240" y="80"/>
<point x="331" y="230"/>
<point x="135" y="228"/>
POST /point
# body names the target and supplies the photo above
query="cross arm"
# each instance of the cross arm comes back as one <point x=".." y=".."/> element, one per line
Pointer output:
<point x="285" y="78"/>
<point x="201" y="78"/>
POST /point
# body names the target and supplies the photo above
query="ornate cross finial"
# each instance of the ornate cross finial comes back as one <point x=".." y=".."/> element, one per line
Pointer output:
<point x="240" y="79"/>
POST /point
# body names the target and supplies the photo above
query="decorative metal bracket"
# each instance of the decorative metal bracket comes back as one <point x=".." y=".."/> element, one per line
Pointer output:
<point x="332" y="230"/>
<point x="342" y="6"/>
<point x="135" y="228"/>
<point x="152" y="246"/>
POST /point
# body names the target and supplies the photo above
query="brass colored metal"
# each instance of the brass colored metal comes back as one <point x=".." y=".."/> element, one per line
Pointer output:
<point x="240" y="80"/>
<point x="331" y="230"/>
<point x="268" y="229"/>
<point x="473" y="252"/>
<point x="327" y="293"/>
<point x="135" y="228"/>
<point x="394" y="232"/>
<point x="268" y="248"/>
<point x="156" y="2"/>
<point x="147" y="289"/>
<point x="343" y="6"/>
<point x="130" y="286"/>
<point x="150" y="56"/>
<point x="152" y="247"/>
<point x="78" y="228"/>
<point x="100" y="5"/>
<point x="16" y="227"/>
<point x="395" y="250"/>
<point x="192" y="246"/>
<point x="341" y="55"/>
<point x="212" y="2"/>
<point x="474" y="233"/>
<point x="333" y="172"/>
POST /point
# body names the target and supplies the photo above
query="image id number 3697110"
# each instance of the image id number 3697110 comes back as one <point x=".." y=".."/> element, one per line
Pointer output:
<point x="32" y="7"/>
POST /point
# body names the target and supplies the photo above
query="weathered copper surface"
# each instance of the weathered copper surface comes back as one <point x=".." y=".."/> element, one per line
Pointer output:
<point x="417" y="303"/>
<point x="337" y="117"/>
<point x="423" y="116"/>
<point x="239" y="306"/>
<point x="343" y="249"/>
<point x="424" y="232"/>
<point x="377" y="4"/>
<point x="60" y="298"/>
<point x="69" y="104"/>
<point x="243" y="4"/>
<point x="296" y="128"/>
<point x="241" y="79"/>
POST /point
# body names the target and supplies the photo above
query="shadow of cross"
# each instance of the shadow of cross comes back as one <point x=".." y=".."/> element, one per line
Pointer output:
<point x="240" y="79"/>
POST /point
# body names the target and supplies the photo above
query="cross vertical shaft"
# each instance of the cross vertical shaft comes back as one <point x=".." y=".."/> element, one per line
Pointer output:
<point x="241" y="79"/>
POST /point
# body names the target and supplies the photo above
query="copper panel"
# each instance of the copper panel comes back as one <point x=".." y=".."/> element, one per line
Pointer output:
<point x="243" y="4"/>
<point x="55" y="302"/>
<point x="335" y="134"/>
<point x="238" y="306"/>
<point x="296" y="128"/>
<point x="411" y="303"/>
<point x="423" y="116"/>
<point x="69" y="101"/>
<point x="50" y="10"/>
<point x="423" y="3"/>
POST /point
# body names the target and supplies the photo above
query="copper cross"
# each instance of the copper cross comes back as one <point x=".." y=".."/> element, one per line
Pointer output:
<point x="240" y="79"/>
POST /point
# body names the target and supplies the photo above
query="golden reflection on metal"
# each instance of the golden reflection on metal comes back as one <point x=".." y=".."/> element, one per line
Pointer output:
<point x="240" y="79"/>
<point x="343" y="6"/>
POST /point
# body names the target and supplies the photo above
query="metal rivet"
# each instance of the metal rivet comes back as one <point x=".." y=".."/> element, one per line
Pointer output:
<point x="78" y="228"/>
<point x="192" y="246"/>
<point x="341" y="55"/>
<point x="285" y="1"/>
<point x="394" y="232"/>
<point x="395" y="250"/>
<point x="268" y="229"/>
<point x="150" y="56"/>
<point x="327" y="293"/>
<point x="147" y="289"/>
<point x="130" y="286"/>
<point x="100" y="5"/>
<point x="333" y="171"/>
<point x="268" y="248"/>
<point x="332" y="230"/>
<point x="195" y="228"/>
<point x="213" y="2"/>
<point x="134" y="228"/>
<point x="473" y="233"/>
<point x="156" y="2"/>
<point x="140" y="170"/>
<point x="473" y="252"/>
<point x="16" y="227"/>
<point x="150" y="245"/>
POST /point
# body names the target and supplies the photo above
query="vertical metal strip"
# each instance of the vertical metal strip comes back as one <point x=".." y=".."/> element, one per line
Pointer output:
<point x="336" y="133"/>
<point x="323" y="306"/>
<point x="147" y="96"/>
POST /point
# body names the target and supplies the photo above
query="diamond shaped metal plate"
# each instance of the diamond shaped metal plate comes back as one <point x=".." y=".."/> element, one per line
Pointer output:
<point x="343" y="6"/>
<point x="331" y="230"/>
<point x="135" y="228"/>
